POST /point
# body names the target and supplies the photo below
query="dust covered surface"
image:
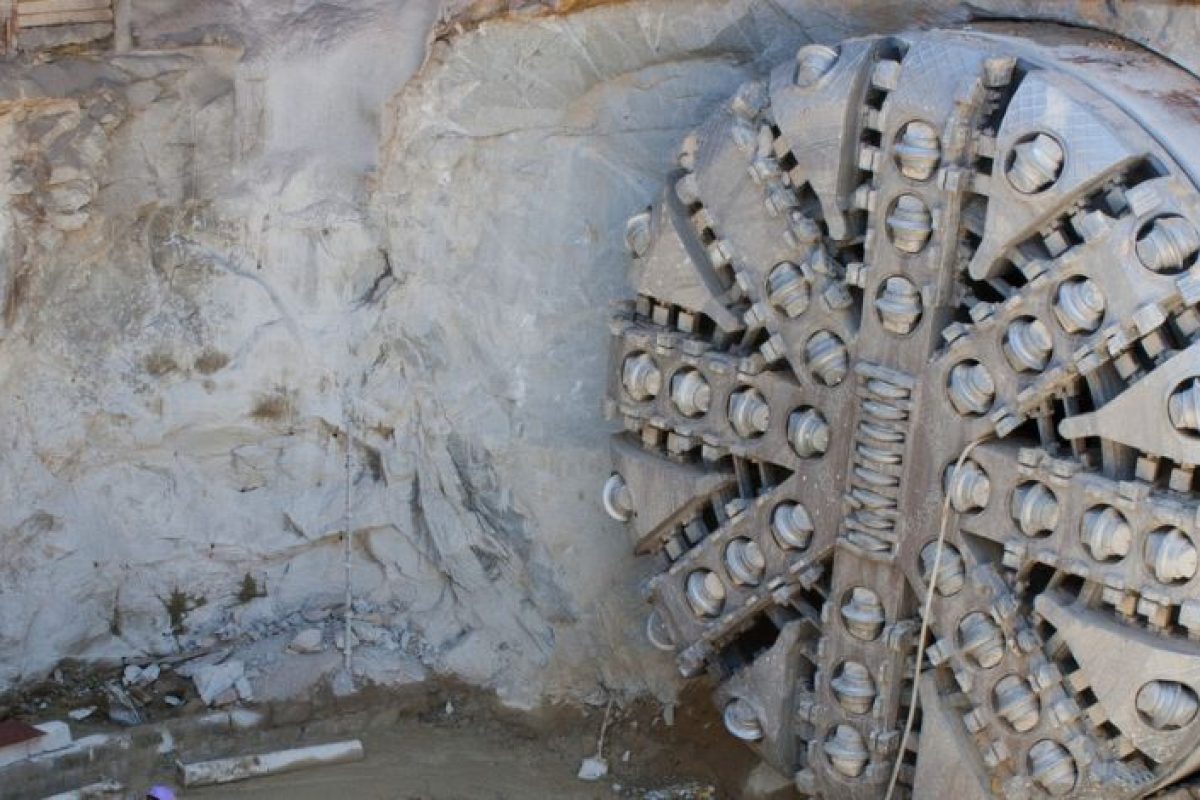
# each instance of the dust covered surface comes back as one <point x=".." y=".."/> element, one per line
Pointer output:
<point x="262" y="251"/>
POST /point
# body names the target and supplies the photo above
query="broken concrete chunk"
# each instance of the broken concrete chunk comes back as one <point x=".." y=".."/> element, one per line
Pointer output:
<point x="593" y="768"/>
<point x="141" y="676"/>
<point x="309" y="640"/>
<point x="214" y="680"/>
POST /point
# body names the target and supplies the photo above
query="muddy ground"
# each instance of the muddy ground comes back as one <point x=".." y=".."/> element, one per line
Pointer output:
<point x="472" y="752"/>
<point x="433" y="741"/>
<point x="464" y="746"/>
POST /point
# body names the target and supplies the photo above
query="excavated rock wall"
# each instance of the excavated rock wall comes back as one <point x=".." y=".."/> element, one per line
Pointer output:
<point x="264" y="275"/>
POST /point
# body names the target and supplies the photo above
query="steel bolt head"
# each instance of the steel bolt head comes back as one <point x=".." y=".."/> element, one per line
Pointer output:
<point x="827" y="357"/>
<point x="981" y="639"/>
<point x="788" y="289"/>
<point x="1167" y="244"/>
<point x="749" y="413"/>
<point x="742" y="721"/>
<point x="1106" y="534"/>
<point x="899" y="305"/>
<point x="641" y="377"/>
<point x="690" y="393"/>
<point x="951" y="572"/>
<point x="1035" y="509"/>
<point x="971" y="389"/>
<point x="1017" y="703"/>
<point x="1171" y="555"/>
<point x="617" y="499"/>
<point x="854" y="688"/>
<point x="705" y="593"/>
<point x="1052" y="767"/>
<point x="1079" y="305"/>
<point x="1028" y="345"/>
<point x="638" y="234"/>
<point x="745" y="562"/>
<point x="750" y="99"/>
<point x="847" y="751"/>
<point x="1183" y="407"/>
<point x="813" y="62"/>
<point x="808" y="432"/>
<point x="1035" y="164"/>
<point x="909" y="224"/>
<point x="863" y="614"/>
<point x="658" y="633"/>
<point x="917" y="151"/>
<point x="968" y="487"/>
<point x="792" y="526"/>
<point x="1166" y="705"/>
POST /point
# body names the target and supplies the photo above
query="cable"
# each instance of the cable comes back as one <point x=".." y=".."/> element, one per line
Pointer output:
<point x="925" y="613"/>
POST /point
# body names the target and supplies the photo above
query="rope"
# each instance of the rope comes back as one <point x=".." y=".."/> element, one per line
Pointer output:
<point x="925" y="614"/>
<point x="348" y="554"/>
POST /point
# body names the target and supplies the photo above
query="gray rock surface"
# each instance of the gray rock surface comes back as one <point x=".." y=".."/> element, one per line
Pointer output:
<point x="261" y="239"/>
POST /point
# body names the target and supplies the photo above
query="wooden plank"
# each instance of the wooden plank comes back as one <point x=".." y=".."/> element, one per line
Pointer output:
<point x="51" y="6"/>
<point x="63" y="18"/>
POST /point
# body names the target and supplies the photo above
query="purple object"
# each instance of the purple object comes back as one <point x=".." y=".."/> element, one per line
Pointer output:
<point x="160" y="793"/>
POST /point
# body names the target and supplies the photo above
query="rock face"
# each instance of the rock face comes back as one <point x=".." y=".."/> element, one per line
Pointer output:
<point x="264" y="282"/>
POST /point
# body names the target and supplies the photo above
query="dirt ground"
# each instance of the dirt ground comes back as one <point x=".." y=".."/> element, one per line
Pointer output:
<point x="430" y="741"/>
<point x="471" y="749"/>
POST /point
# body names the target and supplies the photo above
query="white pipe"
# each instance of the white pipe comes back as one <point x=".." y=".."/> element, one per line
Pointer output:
<point x="228" y="770"/>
